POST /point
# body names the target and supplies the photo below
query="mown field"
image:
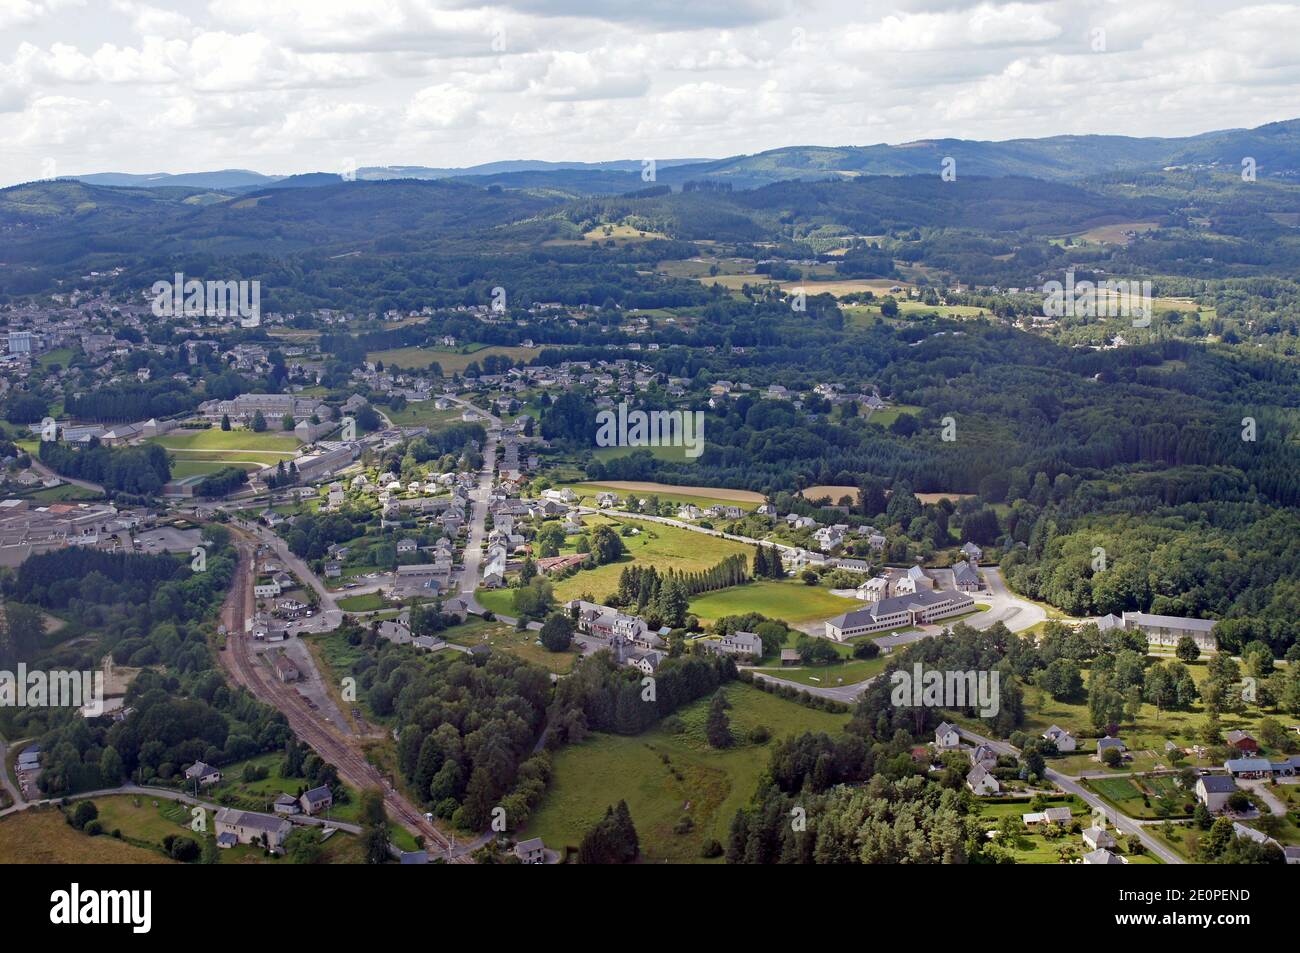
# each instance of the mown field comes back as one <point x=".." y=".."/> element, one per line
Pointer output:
<point x="664" y="547"/>
<point x="849" y="672"/>
<point x="42" y="836"/>
<point x="789" y="600"/>
<point x="200" y="452"/>
<point x="667" y="777"/>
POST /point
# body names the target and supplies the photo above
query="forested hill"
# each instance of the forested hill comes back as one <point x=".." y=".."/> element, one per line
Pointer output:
<point x="1274" y="146"/>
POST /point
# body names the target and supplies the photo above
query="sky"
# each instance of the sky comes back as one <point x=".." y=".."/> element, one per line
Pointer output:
<point x="287" y="86"/>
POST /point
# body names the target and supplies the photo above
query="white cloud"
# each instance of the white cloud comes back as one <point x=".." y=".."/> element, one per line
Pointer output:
<point x="280" y="85"/>
<point x="441" y="107"/>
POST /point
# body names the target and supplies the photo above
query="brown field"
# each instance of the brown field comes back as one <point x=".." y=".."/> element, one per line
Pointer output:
<point x="711" y="492"/>
<point x="936" y="497"/>
<point x="42" y="836"/>
<point x="846" y="286"/>
<point x="834" y="492"/>
<point x="1114" y="234"/>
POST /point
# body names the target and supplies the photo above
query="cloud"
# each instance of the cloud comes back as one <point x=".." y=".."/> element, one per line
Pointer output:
<point x="21" y="13"/>
<point x="284" y="85"/>
<point x="442" y="107"/>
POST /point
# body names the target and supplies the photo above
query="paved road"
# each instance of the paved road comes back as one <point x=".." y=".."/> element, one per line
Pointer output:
<point x="843" y="693"/>
<point x="9" y="785"/>
<point x="479" y="497"/>
<point x="330" y="616"/>
<point x="1122" y="822"/>
<point x="1015" y="613"/>
<point x="43" y="470"/>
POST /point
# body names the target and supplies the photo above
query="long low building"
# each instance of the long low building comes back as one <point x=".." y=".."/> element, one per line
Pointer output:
<point x="1171" y="629"/>
<point x="917" y="608"/>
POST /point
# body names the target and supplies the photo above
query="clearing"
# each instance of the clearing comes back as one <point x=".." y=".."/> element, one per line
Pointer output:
<point x="681" y="792"/>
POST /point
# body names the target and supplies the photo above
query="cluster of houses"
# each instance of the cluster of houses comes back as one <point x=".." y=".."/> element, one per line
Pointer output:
<point x="630" y="639"/>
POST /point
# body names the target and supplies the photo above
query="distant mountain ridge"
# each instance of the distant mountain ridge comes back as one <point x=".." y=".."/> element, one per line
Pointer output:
<point x="1275" y="148"/>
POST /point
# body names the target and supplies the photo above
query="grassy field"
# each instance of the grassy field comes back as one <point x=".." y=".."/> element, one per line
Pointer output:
<point x="831" y="676"/>
<point x="423" y="413"/>
<point x="218" y="439"/>
<point x="503" y="638"/>
<point x="199" y="452"/>
<point x="367" y="602"/>
<point x="666" y="777"/>
<point x="42" y="836"/>
<point x="790" y="600"/>
<point x="668" y="454"/>
<point x="188" y="467"/>
<point x="260" y="795"/>
<point x="451" y="362"/>
<point x="144" y="821"/>
<point x="664" y="547"/>
<point x="61" y="494"/>
<point x="825" y="490"/>
<point x="1139" y="796"/>
<point x="887" y="415"/>
<point x="699" y="495"/>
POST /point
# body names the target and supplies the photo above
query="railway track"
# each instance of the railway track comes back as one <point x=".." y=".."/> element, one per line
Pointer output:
<point x="351" y="763"/>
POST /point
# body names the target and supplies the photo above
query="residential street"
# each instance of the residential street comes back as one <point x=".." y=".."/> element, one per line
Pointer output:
<point x="1121" y="822"/>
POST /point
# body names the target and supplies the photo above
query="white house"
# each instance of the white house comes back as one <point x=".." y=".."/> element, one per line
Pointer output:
<point x="1064" y="740"/>
<point x="1213" y="790"/>
<point x="947" y="736"/>
<point x="980" y="781"/>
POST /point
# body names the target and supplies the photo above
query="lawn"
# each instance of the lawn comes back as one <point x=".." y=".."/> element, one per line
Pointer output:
<point x="42" y="836"/>
<point x="668" y="454"/>
<point x="234" y="791"/>
<point x="887" y="415"/>
<point x="200" y="452"/>
<point x="423" y="413"/>
<point x="497" y="601"/>
<point x="789" y="600"/>
<point x="667" y="777"/>
<point x="504" y="638"/>
<point x="188" y="466"/>
<point x="144" y="821"/>
<point x="831" y="676"/>
<point x="664" y="547"/>
<point x="218" y="439"/>
<point x="366" y="602"/>
<point x="1138" y="796"/>
<point x="61" y="494"/>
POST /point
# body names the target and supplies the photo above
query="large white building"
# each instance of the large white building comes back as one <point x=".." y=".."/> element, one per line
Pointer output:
<point x="917" y="608"/>
<point x="1170" y="629"/>
<point x="272" y="406"/>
